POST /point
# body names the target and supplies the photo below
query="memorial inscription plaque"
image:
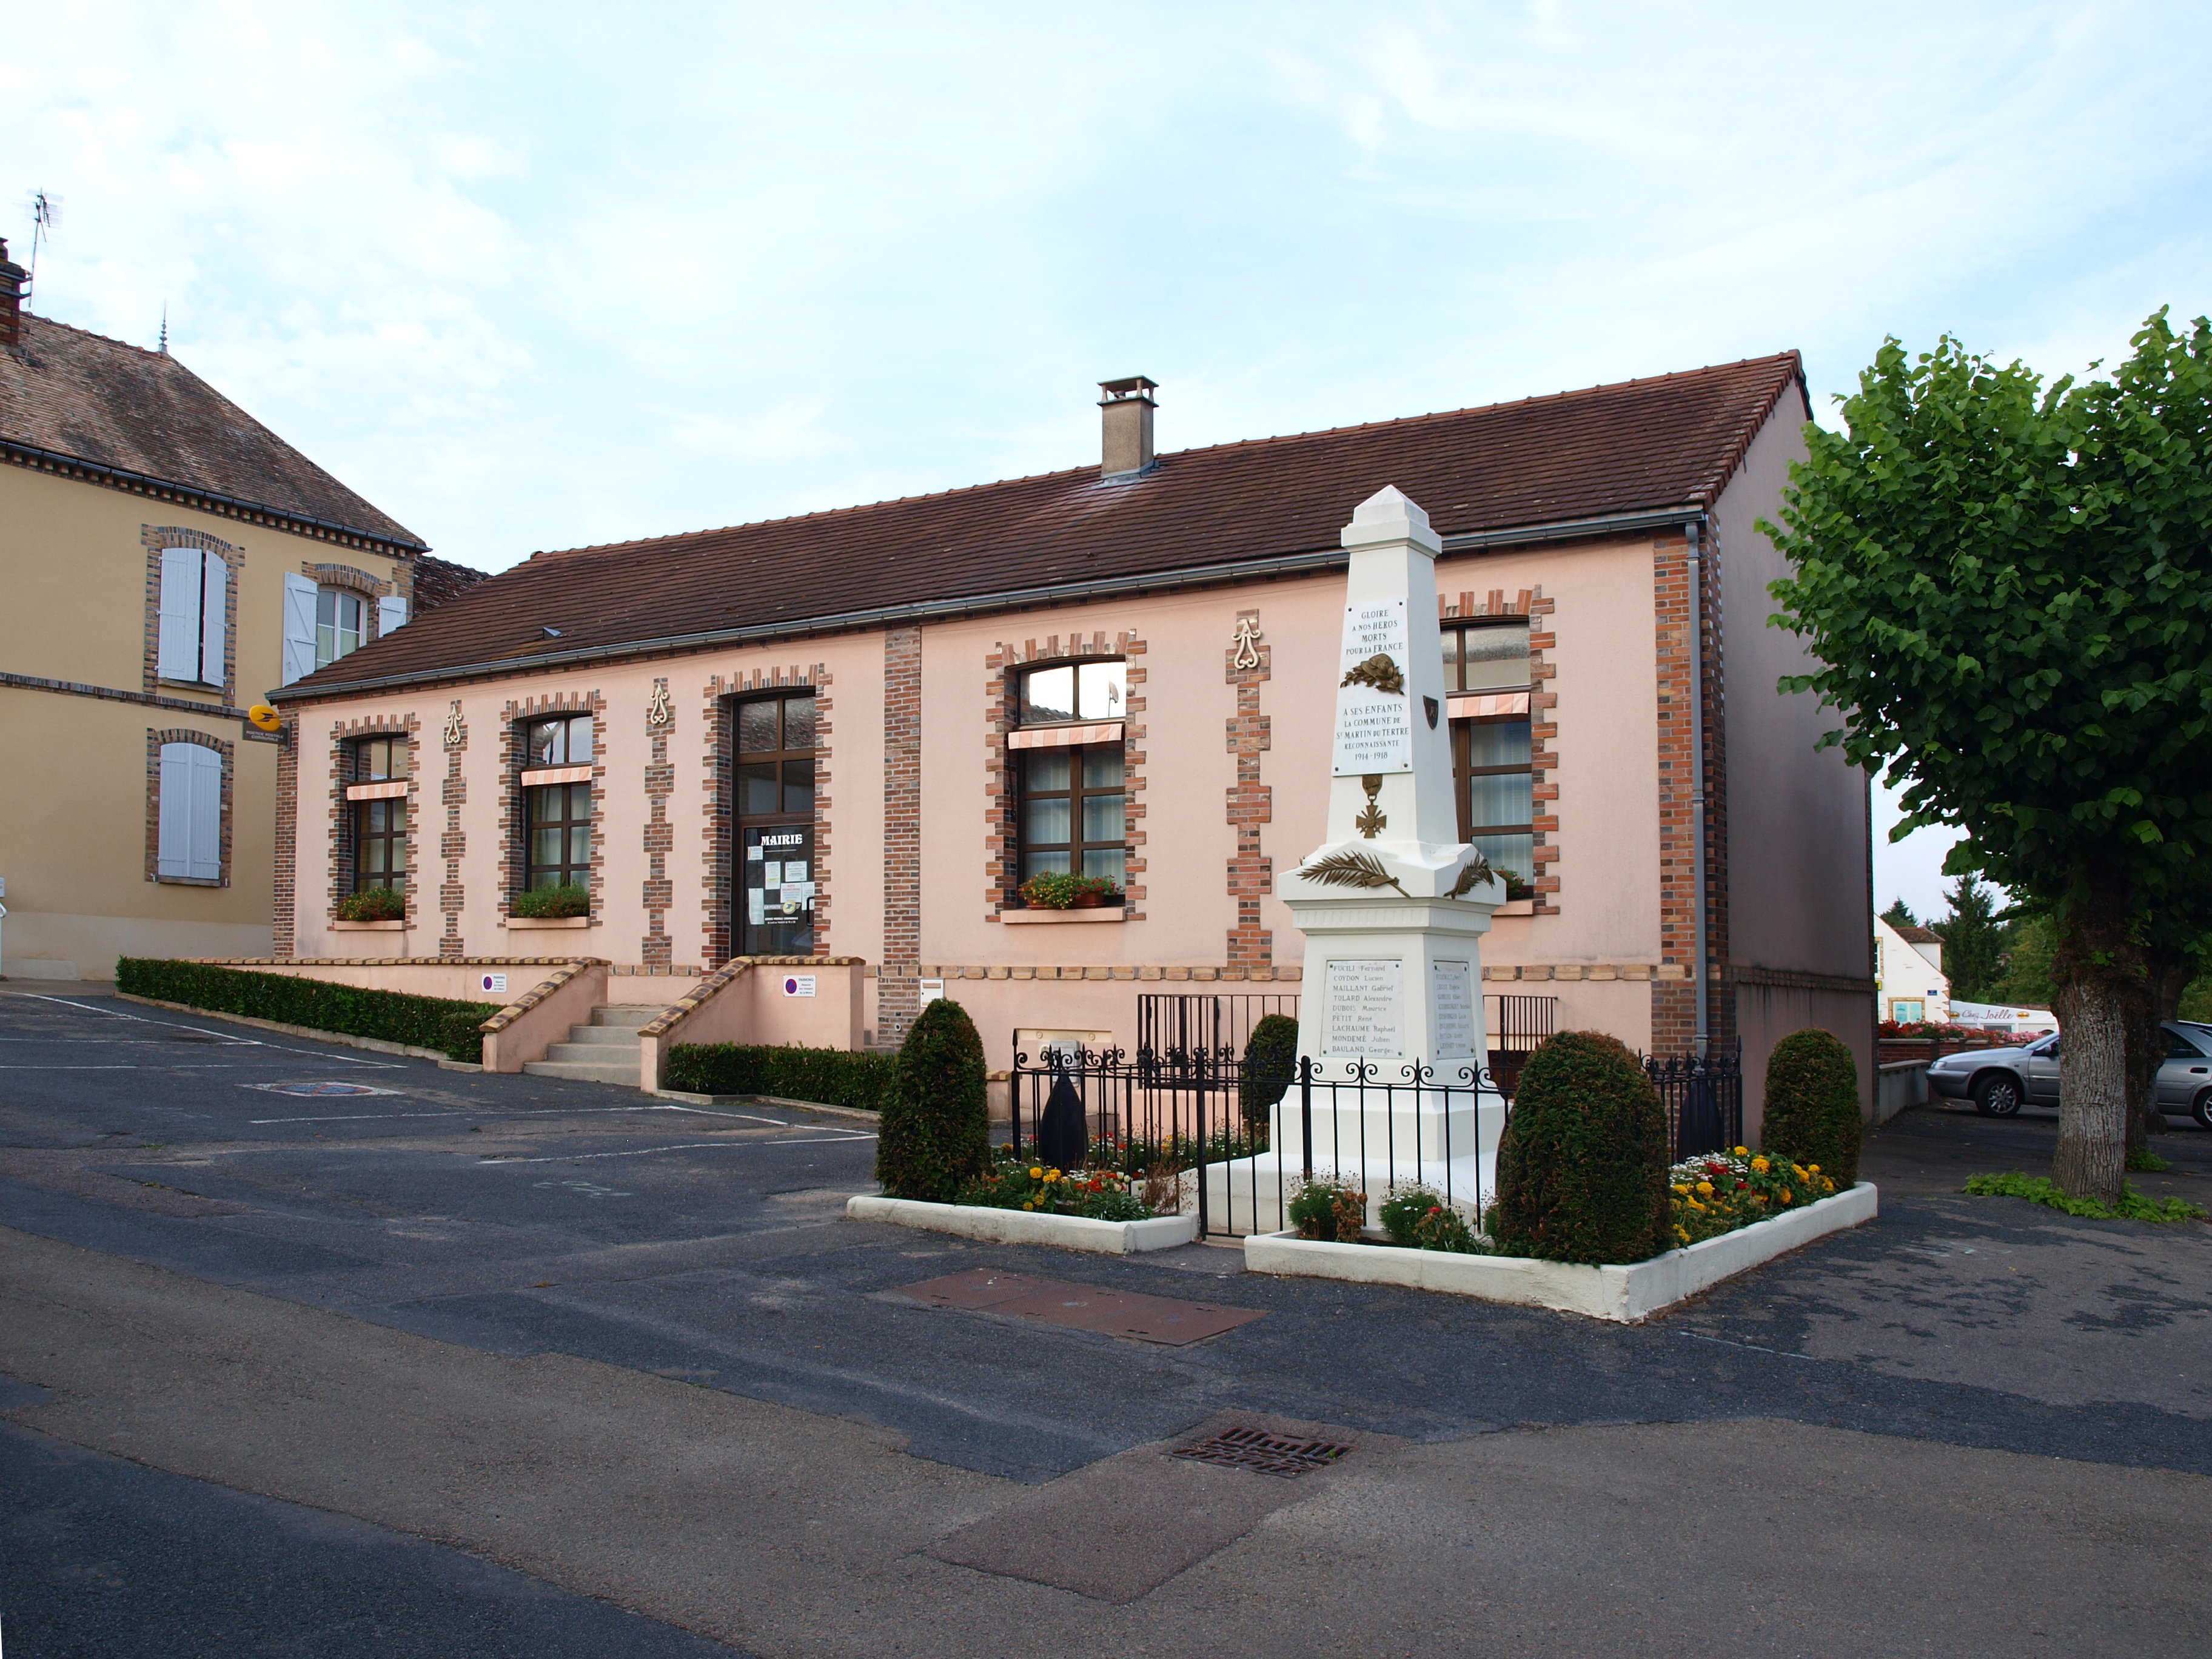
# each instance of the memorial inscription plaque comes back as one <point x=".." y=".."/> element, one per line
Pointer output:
<point x="1451" y="1008"/>
<point x="1364" y="1013"/>
<point x="1374" y="725"/>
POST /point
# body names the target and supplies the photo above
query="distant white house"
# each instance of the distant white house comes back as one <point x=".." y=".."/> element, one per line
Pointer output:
<point x="1909" y="974"/>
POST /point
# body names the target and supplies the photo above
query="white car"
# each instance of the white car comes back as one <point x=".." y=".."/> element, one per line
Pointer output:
<point x="1999" y="1081"/>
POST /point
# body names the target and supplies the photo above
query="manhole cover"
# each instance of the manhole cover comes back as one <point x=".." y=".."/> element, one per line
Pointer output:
<point x="320" y="1090"/>
<point x="1264" y="1454"/>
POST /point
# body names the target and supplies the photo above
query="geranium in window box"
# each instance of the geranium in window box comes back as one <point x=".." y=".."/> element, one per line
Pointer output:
<point x="373" y="904"/>
<point x="569" y="898"/>
<point x="1057" y="890"/>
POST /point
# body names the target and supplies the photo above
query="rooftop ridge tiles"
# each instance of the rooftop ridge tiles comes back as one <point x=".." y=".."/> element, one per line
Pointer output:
<point x="1790" y="356"/>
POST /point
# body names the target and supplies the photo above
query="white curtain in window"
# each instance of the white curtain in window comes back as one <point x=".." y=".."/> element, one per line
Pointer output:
<point x="190" y="844"/>
<point x="182" y="593"/>
<point x="299" y="627"/>
<point x="391" y="613"/>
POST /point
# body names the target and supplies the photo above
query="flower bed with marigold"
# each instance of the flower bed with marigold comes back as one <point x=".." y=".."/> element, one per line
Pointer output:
<point x="1015" y="1182"/>
<point x="1720" y="1192"/>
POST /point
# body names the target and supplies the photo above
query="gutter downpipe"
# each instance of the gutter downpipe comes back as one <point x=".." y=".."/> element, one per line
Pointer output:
<point x="1693" y="535"/>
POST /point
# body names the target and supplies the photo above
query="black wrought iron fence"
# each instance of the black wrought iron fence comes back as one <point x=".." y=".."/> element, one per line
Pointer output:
<point x="1211" y="1021"/>
<point x="1703" y="1095"/>
<point x="1236" y="1150"/>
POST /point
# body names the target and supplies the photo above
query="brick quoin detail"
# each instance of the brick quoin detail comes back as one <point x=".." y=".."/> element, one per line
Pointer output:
<point x="1002" y="798"/>
<point x="1543" y="723"/>
<point x="719" y="697"/>
<point x="1251" y="873"/>
<point x="454" y="844"/>
<point x="284" y="923"/>
<point x="656" y="949"/>
<point x="343" y="734"/>
<point x="897" y="991"/>
<point x="155" y="739"/>
<point x="513" y="829"/>
<point x="1674" y="995"/>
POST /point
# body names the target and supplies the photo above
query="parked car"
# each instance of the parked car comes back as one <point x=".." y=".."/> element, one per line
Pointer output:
<point x="1999" y="1081"/>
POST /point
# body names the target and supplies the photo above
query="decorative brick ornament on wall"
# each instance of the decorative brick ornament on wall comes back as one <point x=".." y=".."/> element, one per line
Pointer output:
<point x="1251" y="873"/>
<point x="1674" y="1002"/>
<point x="898" y="989"/>
<point x="453" y="840"/>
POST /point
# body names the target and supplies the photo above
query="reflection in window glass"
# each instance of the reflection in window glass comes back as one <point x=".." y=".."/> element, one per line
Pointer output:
<point x="337" y="624"/>
<point x="1071" y="691"/>
<point x="564" y="742"/>
<point x="560" y="843"/>
<point x="1074" y="815"/>
<point x="1487" y="657"/>
<point x="380" y="760"/>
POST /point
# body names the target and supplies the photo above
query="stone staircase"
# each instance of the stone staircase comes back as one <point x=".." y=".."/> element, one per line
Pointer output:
<point x="605" y="1051"/>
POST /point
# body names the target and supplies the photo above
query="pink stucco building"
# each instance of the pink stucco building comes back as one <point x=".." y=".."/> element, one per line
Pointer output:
<point x="857" y="733"/>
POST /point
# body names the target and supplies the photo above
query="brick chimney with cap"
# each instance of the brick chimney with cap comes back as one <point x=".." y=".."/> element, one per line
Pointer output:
<point x="15" y="283"/>
<point x="1128" y="407"/>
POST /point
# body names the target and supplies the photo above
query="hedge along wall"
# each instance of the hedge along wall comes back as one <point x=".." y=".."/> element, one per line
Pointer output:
<point x="832" y="1076"/>
<point x="440" y="1023"/>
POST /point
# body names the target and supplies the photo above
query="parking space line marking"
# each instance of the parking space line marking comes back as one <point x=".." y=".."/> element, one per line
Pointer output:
<point x="1748" y="1347"/>
<point x="357" y="1117"/>
<point x="226" y="1036"/>
<point x="686" y="1146"/>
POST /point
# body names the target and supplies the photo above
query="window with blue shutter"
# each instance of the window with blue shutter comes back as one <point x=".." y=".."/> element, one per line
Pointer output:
<point x="190" y="846"/>
<point x="195" y="607"/>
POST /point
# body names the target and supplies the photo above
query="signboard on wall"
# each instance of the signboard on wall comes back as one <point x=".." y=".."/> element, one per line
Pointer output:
<point x="1373" y="715"/>
<point x="494" y="982"/>
<point x="799" y="984"/>
<point x="1363" y="1010"/>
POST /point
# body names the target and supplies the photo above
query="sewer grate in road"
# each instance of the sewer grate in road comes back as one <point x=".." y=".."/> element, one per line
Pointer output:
<point x="1263" y="1452"/>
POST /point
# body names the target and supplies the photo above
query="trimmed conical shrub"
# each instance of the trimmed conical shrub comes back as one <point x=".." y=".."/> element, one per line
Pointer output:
<point x="1270" y="1065"/>
<point x="1582" y="1172"/>
<point x="936" y="1129"/>
<point x="1812" y="1105"/>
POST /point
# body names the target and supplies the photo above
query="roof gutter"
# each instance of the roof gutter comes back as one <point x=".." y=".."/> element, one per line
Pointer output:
<point x="144" y="481"/>
<point x="1286" y="564"/>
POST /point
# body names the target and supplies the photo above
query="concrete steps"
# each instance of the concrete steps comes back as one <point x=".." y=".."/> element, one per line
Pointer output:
<point x="605" y="1051"/>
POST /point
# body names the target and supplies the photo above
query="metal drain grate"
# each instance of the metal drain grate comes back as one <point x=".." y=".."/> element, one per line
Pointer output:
<point x="1263" y="1453"/>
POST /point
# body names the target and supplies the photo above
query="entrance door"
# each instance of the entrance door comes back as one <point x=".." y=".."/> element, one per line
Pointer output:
<point x="778" y="891"/>
<point x="774" y="802"/>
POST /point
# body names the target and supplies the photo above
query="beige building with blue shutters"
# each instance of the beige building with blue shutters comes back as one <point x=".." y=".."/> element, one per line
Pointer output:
<point x="167" y="562"/>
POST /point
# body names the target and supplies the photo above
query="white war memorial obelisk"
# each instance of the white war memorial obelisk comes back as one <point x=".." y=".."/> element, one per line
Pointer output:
<point x="1393" y="907"/>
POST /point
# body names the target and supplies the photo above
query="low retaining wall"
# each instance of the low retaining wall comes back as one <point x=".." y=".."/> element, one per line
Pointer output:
<point x="461" y="978"/>
<point x="1069" y="1232"/>
<point x="1899" y="1086"/>
<point x="754" y="999"/>
<point x="1625" y="1293"/>
<point x="524" y="1029"/>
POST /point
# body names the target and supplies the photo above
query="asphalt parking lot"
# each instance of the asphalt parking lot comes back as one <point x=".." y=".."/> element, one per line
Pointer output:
<point x="531" y="1223"/>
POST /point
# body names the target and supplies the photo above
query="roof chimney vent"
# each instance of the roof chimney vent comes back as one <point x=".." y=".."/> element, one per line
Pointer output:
<point x="1128" y="409"/>
<point x="14" y="280"/>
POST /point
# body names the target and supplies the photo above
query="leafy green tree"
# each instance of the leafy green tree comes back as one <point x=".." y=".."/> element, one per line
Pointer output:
<point x="1899" y="915"/>
<point x="2026" y="957"/>
<point x="1972" y="939"/>
<point x="2009" y="590"/>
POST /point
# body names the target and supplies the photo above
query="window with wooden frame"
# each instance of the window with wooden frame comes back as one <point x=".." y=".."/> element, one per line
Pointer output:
<point x="1070" y="769"/>
<point x="557" y="793"/>
<point x="1487" y="679"/>
<point x="378" y="797"/>
<point x="774" y="816"/>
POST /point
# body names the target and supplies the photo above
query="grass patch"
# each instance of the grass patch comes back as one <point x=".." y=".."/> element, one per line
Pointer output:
<point x="2147" y="1162"/>
<point x="2038" y="1189"/>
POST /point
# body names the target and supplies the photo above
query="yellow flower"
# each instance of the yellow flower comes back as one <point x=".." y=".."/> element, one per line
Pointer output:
<point x="1706" y="1187"/>
<point x="1052" y="1175"/>
<point x="1785" y="1195"/>
<point x="1742" y="1152"/>
<point x="1760" y="1164"/>
<point x="1681" y="1189"/>
<point x="1036" y="1174"/>
<point x="1812" y="1169"/>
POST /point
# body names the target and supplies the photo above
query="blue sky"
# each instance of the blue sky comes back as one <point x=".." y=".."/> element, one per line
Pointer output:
<point x="534" y="275"/>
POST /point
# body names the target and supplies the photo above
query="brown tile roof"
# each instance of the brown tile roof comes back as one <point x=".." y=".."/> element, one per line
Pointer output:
<point x="97" y="400"/>
<point x="1669" y="442"/>
<point x="1913" y="933"/>
<point x="438" y="580"/>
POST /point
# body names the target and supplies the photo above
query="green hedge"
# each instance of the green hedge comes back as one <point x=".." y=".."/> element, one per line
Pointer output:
<point x="439" y="1022"/>
<point x="830" y="1077"/>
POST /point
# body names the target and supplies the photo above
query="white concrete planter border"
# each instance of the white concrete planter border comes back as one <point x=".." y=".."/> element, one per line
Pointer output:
<point x="1069" y="1232"/>
<point x="1626" y="1293"/>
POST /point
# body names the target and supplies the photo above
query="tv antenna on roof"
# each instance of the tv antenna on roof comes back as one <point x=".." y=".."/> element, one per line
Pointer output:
<point x="46" y="214"/>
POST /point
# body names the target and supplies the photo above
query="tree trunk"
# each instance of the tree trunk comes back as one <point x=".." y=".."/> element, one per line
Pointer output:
<point x="2165" y="977"/>
<point x="2098" y="970"/>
